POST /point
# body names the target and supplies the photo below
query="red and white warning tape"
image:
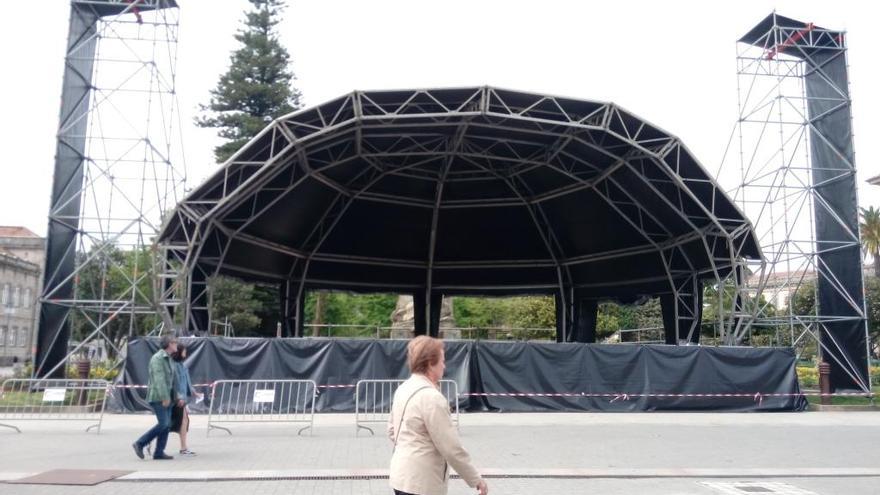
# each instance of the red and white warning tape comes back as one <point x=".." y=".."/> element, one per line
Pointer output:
<point x="614" y="397"/>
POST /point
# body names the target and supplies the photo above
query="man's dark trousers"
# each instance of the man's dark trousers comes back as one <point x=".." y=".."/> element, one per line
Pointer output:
<point x="160" y="431"/>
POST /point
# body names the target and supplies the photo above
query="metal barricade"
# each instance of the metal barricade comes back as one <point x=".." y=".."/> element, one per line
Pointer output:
<point x="373" y="400"/>
<point x="262" y="401"/>
<point x="53" y="399"/>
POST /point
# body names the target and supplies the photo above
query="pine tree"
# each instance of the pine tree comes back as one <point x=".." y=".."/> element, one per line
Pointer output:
<point x="257" y="87"/>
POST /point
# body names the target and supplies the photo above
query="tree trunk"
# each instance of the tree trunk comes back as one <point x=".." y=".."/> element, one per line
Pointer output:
<point x="876" y="256"/>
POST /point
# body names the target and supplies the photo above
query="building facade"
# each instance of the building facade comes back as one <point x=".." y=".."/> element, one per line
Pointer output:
<point x="22" y="254"/>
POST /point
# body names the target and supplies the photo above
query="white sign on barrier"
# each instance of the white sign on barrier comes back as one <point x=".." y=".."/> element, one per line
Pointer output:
<point x="250" y="401"/>
<point x="54" y="394"/>
<point x="264" y="395"/>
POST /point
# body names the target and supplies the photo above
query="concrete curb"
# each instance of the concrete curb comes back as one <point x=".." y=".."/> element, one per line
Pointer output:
<point x="608" y="473"/>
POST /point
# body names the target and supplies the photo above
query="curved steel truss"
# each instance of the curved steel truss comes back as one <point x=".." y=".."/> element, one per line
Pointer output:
<point x="464" y="153"/>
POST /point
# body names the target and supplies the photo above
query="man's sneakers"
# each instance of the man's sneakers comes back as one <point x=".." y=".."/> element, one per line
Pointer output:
<point x="138" y="450"/>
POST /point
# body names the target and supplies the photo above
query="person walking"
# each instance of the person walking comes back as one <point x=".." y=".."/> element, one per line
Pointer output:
<point x="185" y="391"/>
<point x="425" y="441"/>
<point x="161" y="394"/>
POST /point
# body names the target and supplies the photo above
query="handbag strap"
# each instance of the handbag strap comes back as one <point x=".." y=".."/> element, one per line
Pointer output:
<point x="403" y="413"/>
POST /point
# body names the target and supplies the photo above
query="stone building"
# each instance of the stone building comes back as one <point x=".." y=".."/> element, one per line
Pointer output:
<point x="22" y="254"/>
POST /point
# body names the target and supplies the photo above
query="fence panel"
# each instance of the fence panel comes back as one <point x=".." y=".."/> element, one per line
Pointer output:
<point x="262" y="401"/>
<point x="373" y="398"/>
<point x="53" y="399"/>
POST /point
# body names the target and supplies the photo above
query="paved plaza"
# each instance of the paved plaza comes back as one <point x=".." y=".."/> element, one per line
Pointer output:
<point x="820" y="453"/>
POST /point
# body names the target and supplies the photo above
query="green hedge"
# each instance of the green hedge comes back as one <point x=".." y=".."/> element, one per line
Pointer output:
<point x="809" y="376"/>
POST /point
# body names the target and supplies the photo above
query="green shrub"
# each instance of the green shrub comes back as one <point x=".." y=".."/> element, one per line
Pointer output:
<point x="808" y="376"/>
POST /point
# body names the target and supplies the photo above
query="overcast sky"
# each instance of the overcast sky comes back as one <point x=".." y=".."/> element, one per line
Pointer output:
<point x="672" y="63"/>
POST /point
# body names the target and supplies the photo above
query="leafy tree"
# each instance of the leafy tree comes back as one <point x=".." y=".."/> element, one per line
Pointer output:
<point x="532" y="312"/>
<point x="481" y="312"/>
<point x="803" y="301"/>
<point x="342" y="308"/>
<point x="235" y="300"/>
<point x="648" y="314"/>
<point x="613" y="317"/>
<point x="872" y="302"/>
<point x="608" y="320"/>
<point x="112" y="274"/>
<point x="870" y="230"/>
<point x="257" y="86"/>
<point x="268" y="309"/>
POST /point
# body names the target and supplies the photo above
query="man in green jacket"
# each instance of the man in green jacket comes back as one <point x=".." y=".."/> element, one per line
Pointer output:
<point x="161" y="397"/>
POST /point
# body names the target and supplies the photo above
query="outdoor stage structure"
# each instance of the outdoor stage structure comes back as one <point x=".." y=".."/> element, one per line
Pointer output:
<point x="476" y="191"/>
<point x="118" y="170"/>
<point x="480" y="191"/>
<point x="798" y="186"/>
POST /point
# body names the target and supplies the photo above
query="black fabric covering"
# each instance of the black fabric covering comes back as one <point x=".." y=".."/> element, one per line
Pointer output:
<point x="585" y="316"/>
<point x="54" y="327"/>
<point x="420" y="320"/>
<point x="436" y="305"/>
<point x="499" y="367"/>
<point x="831" y="150"/>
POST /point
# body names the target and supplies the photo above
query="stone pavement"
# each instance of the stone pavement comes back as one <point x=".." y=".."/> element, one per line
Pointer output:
<point x="823" y="453"/>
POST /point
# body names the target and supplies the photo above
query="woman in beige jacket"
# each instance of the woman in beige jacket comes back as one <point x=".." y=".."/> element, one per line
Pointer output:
<point x="426" y="444"/>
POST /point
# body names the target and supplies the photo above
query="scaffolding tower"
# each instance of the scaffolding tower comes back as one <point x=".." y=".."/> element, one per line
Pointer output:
<point x="797" y="183"/>
<point x="118" y="170"/>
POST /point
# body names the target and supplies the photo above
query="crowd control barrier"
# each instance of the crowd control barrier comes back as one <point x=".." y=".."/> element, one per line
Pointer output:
<point x="262" y="401"/>
<point x="373" y="398"/>
<point x="53" y="399"/>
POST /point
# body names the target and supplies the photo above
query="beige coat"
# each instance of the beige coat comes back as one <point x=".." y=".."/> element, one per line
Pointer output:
<point x="426" y="442"/>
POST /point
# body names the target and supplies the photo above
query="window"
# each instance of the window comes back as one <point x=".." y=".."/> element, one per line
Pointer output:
<point x="22" y="336"/>
<point x="11" y="339"/>
<point x="27" y="297"/>
<point x="4" y="297"/>
<point x="16" y="298"/>
<point x="2" y="335"/>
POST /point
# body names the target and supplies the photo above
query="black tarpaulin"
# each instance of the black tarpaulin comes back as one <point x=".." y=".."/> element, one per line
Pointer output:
<point x="545" y="376"/>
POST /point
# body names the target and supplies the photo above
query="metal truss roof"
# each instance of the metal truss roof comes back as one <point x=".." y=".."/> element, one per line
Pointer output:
<point x="467" y="190"/>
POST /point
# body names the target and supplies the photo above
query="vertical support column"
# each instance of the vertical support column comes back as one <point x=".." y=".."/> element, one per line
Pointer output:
<point x="586" y="312"/>
<point x="839" y="264"/>
<point x="420" y="320"/>
<point x="67" y="182"/>
<point x="288" y="318"/>
<point x="292" y="309"/>
<point x="561" y="329"/>
<point x="435" y="308"/>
